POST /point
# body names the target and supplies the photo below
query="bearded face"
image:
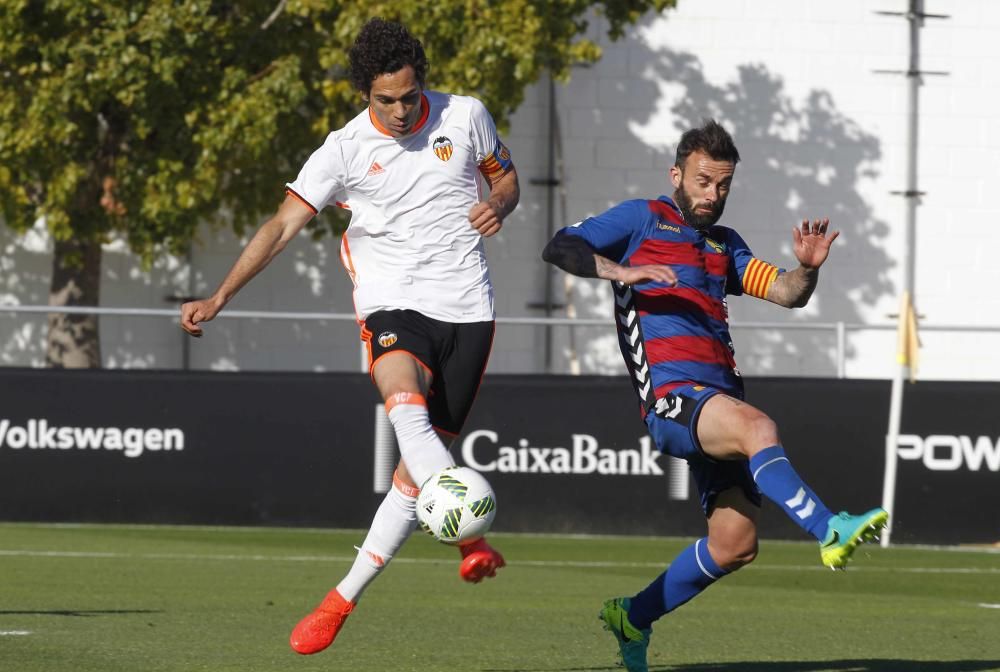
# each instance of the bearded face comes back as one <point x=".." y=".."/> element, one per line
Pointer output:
<point x="699" y="215"/>
<point x="701" y="188"/>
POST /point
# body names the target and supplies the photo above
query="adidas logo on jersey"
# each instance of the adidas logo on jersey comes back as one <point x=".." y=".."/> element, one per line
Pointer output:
<point x="375" y="169"/>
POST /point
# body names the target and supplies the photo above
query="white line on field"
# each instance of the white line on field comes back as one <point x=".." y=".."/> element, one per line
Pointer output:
<point x="986" y="605"/>
<point x="14" y="633"/>
<point x="584" y="564"/>
<point x="967" y="548"/>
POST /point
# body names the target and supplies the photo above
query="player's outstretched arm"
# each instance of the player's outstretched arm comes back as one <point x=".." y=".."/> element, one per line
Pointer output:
<point x="574" y="255"/>
<point x="811" y="246"/>
<point x="487" y="216"/>
<point x="270" y="239"/>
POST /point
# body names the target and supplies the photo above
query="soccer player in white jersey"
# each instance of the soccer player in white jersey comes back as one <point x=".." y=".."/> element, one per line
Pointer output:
<point x="408" y="167"/>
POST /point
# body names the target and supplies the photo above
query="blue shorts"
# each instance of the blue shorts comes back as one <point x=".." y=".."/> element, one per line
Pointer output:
<point x="673" y="425"/>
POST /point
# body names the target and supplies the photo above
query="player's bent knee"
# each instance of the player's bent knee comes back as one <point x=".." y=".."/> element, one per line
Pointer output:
<point x="736" y="557"/>
<point x="734" y="552"/>
<point x="761" y="432"/>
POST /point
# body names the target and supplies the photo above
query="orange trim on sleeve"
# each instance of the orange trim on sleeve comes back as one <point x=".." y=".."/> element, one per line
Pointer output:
<point x="398" y="398"/>
<point x="304" y="202"/>
<point x="405" y="488"/>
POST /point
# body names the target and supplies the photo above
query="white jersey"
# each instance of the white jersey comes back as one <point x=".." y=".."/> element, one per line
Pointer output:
<point x="410" y="243"/>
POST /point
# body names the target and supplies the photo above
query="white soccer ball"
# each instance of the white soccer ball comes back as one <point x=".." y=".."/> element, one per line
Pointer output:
<point x="456" y="505"/>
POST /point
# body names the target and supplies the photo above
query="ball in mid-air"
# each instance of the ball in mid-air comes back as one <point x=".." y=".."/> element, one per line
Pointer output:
<point x="456" y="505"/>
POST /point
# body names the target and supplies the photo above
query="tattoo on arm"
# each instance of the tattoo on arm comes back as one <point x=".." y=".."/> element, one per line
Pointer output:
<point x="505" y="192"/>
<point x="792" y="289"/>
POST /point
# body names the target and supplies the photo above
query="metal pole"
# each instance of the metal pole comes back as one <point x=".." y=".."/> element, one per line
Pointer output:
<point x="911" y="199"/>
<point x="550" y="181"/>
<point x="550" y="207"/>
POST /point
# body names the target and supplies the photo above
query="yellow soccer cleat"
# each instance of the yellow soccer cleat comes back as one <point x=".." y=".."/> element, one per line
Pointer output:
<point x="846" y="532"/>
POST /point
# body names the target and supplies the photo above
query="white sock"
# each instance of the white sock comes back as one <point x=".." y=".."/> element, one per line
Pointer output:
<point x="419" y="445"/>
<point x="394" y="521"/>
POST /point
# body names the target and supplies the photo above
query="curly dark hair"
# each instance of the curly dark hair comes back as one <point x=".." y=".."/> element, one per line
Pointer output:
<point x="712" y="139"/>
<point x="383" y="47"/>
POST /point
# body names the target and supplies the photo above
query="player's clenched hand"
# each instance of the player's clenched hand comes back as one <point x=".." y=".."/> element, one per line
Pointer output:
<point x="485" y="219"/>
<point x="194" y="312"/>
<point x="811" y="244"/>
<point x="636" y="275"/>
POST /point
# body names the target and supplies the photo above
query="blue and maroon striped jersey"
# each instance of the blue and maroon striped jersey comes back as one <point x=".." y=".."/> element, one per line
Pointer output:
<point x="673" y="336"/>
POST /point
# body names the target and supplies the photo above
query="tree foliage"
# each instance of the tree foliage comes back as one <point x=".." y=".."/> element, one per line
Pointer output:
<point x="144" y="118"/>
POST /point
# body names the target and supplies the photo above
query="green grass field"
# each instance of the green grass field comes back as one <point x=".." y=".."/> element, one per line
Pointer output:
<point x="104" y="598"/>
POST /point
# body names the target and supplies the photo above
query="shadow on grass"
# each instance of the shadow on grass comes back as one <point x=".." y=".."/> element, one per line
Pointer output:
<point x="854" y="665"/>
<point x="85" y="613"/>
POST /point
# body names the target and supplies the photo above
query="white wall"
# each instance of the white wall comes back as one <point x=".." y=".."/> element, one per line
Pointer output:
<point x="820" y="134"/>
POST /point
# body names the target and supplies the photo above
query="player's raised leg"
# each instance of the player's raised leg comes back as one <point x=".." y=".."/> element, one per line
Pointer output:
<point x="732" y="429"/>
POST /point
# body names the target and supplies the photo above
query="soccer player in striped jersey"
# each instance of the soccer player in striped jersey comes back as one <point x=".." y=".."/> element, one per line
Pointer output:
<point x="671" y="268"/>
<point x="409" y="168"/>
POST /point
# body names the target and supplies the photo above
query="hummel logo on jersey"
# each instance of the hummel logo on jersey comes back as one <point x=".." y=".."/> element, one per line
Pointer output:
<point x="375" y="169"/>
<point x="669" y="406"/>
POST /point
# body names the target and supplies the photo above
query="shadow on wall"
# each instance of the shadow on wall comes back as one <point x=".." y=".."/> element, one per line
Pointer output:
<point x="799" y="159"/>
<point x="26" y="261"/>
<point x="307" y="278"/>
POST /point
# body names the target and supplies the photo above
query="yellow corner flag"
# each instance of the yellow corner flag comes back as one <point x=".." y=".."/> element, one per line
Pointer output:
<point x="908" y="348"/>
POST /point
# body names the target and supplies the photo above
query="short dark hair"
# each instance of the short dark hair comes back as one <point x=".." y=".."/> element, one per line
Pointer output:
<point x="384" y="47"/>
<point x="712" y="139"/>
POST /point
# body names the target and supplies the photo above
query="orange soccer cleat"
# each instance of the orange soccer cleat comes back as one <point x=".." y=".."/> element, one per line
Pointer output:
<point x="317" y="631"/>
<point x="479" y="561"/>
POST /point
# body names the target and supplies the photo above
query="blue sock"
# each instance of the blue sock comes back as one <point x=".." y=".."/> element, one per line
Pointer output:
<point x="776" y="478"/>
<point x="691" y="572"/>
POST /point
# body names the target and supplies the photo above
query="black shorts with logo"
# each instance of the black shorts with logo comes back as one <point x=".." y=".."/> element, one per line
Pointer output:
<point x="455" y="353"/>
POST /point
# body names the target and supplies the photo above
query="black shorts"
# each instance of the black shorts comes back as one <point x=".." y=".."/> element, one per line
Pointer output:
<point x="455" y="353"/>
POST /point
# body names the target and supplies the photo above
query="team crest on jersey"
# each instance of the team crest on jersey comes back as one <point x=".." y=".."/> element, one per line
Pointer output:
<point x="504" y="152"/>
<point x="443" y="148"/>
<point x="718" y="247"/>
<point x="387" y="338"/>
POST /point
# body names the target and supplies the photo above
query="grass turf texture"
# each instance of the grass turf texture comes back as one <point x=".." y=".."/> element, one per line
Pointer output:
<point x="106" y="598"/>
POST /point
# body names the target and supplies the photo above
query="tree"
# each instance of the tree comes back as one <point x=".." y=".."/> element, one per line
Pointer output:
<point x="142" y="118"/>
